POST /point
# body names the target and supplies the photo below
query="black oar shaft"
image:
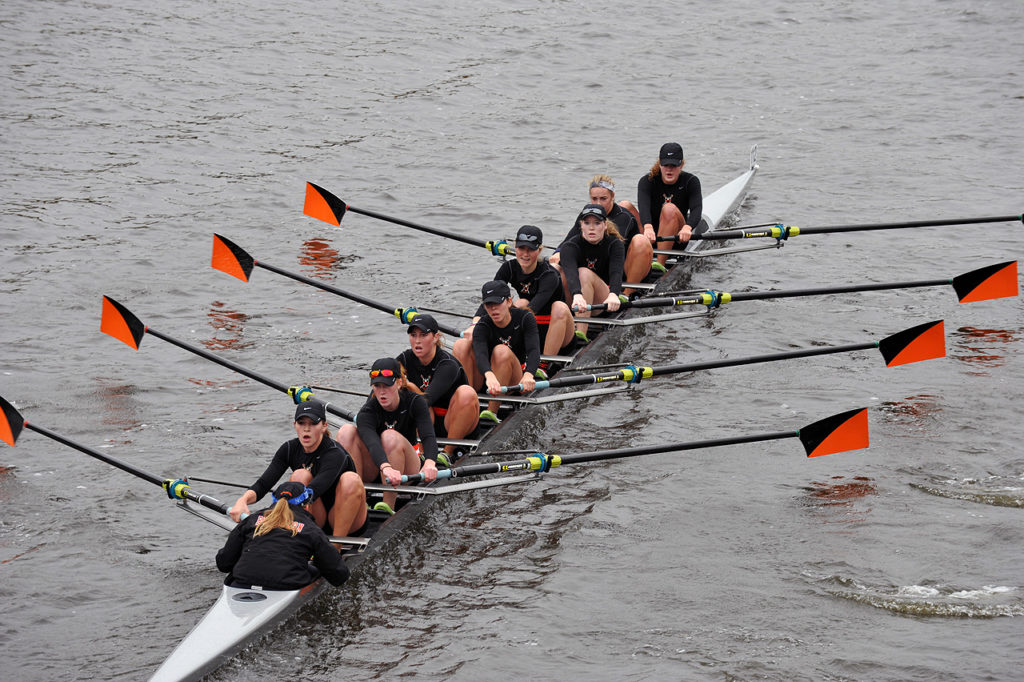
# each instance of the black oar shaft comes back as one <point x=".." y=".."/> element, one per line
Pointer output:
<point x="417" y="226"/>
<point x="849" y="289"/>
<point x="910" y="224"/>
<point x="205" y="500"/>
<point x="244" y="371"/>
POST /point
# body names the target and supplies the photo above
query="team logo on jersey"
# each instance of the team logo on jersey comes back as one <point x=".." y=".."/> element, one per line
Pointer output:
<point x="525" y="287"/>
<point x="505" y="341"/>
<point x="295" y="524"/>
<point x="424" y="383"/>
<point x="390" y="425"/>
<point x="592" y="263"/>
<point x="669" y="197"/>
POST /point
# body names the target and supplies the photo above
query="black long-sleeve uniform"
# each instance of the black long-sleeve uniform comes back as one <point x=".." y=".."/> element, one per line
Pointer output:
<point x="278" y="560"/>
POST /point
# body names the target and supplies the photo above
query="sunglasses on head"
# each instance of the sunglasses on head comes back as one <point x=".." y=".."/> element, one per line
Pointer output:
<point x="374" y="373"/>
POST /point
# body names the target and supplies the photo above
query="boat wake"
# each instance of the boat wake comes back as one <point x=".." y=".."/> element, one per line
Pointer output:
<point x="937" y="600"/>
<point x="997" y="491"/>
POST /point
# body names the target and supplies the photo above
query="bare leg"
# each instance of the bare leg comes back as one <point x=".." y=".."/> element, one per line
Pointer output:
<point x="670" y="223"/>
<point x="506" y="368"/>
<point x="401" y="455"/>
<point x="463" y="352"/>
<point x="348" y="438"/>
<point x="463" y="415"/>
<point x="560" y="329"/>
<point x="594" y="290"/>
<point x="349" y="511"/>
<point x="638" y="260"/>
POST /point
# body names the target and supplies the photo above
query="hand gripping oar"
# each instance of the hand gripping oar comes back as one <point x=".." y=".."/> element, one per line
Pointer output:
<point x="11" y="424"/>
<point x="121" y="323"/>
<point x="987" y="283"/>
<point x="838" y="433"/>
<point x="323" y="205"/>
<point x="923" y="342"/>
<point x="230" y="258"/>
<point x="782" y="232"/>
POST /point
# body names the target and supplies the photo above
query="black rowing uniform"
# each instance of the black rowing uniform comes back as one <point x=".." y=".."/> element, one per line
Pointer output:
<point x="520" y="334"/>
<point x="327" y="463"/>
<point x="411" y="418"/>
<point x="606" y="258"/>
<point x="438" y="380"/>
<point x="541" y="288"/>
<point x="653" y="193"/>
<point x="624" y="221"/>
<point x="279" y="560"/>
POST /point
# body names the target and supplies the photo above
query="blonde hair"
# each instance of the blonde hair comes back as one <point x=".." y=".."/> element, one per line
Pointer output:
<point x="597" y="179"/>
<point x="280" y="516"/>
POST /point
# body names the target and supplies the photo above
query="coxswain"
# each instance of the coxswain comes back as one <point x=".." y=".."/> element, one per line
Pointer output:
<point x="503" y="349"/>
<point x="592" y="263"/>
<point x="320" y="464"/>
<point x="388" y="425"/>
<point x="281" y="547"/>
<point x="669" y="200"/>
<point x="540" y="290"/>
<point x="435" y="374"/>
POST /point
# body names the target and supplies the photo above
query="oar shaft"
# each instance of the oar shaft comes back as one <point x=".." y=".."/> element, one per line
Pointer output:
<point x="847" y="289"/>
<point x="780" y="231"/>
<point x="769" y="357"/>
<point x="205" y="500"/>
<point x="417" y="226"/>
<point x="244" y="371"/>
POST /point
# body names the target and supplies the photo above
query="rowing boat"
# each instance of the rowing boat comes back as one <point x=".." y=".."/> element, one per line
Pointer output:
<point x="239" y="615"/>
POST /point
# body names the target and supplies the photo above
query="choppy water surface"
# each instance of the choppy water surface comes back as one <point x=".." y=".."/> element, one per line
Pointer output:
<point x="132" y="132"/>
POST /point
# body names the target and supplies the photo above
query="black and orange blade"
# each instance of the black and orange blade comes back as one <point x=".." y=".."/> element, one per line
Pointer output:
<point x="11" y="423"/>
<point x="838" y="433"/>
<point x="231" y="258"/>
<point x="923" y="342"/>
<point x="323" y="205"/>
<point x="119" y="322"/>
<point x="985" y="284"/>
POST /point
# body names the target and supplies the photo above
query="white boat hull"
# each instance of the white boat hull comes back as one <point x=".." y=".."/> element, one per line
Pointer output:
<point x="236" y="618"/>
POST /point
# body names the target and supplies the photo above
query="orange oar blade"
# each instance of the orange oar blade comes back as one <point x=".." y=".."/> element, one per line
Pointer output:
<point x="231" y="258"/>
<point x="119" y="322"/>
<point x="923" y="342"/>
<point x="984" y="284"/>
<point x="838" y="433"/>
<point x="323" y="205"/>
<point x="11" y="423"/>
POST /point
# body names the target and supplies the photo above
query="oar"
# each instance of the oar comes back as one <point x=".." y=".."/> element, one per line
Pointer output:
<point x="234" y="260"/>
<point x="11" y="427"/>
<point x="323" y="205"/>
<point x="838" y="433"/>
<point x="922" y="342"/>
<point x="983" y="284"/>
<point x="123" y="325"/>
<point x="780" y="231"/>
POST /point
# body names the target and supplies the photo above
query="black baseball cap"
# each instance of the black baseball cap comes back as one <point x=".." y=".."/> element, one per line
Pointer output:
<point x="425" y="322"/>
<point x="529" y="236"/>
<point x="495" y="292"/>
<point x="293" y="491"/>
<point x="384" y="371"/>
<point x="593" y="209"/>
<point x="314" y="409"/>
<point x="671" y="154"/>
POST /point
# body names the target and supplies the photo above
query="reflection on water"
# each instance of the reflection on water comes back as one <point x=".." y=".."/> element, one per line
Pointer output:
<point x="119" y="406"/>
<point x="320" y="257"/>
<point x="913" y="412"/>
<point x="982" y="347"/>
<point x="228" y="328"/>
<point x="838" y="498"/>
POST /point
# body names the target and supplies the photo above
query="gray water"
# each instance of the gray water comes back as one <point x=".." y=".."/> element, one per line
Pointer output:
<point x="131" y="132"/>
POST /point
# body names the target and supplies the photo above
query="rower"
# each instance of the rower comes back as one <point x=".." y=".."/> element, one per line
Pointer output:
<point x="272" y="548"/>
<point x="540" y="290"/>
<point x="388" y="424"/>
<point x="592" y="263"/>
<point x="669" y="200"/>
<point x="434" y="373"/>
<point x="639" y="249"/>
<point x="318" y="463"/>
<point x="504" y="348"/>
